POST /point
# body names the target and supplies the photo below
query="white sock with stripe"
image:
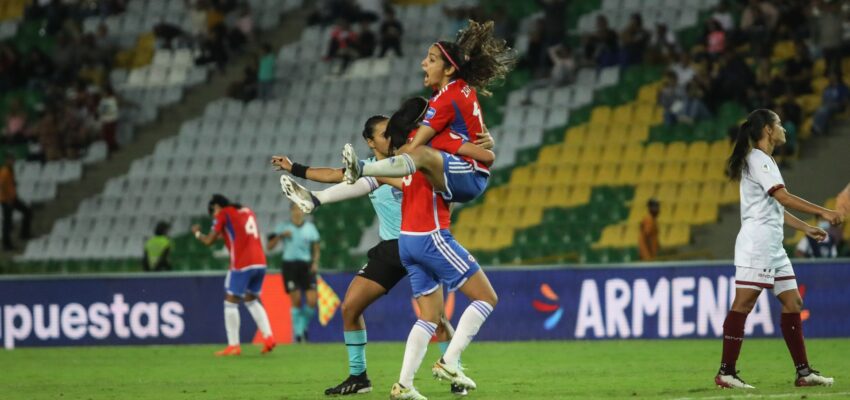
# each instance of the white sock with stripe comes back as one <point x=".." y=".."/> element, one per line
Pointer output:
<point x="396" y="166"/>
<point x="470" y="322"/>
<point x="414" y="351"/>
<point x="231" y="323"/>
<point x="260" y="317"/>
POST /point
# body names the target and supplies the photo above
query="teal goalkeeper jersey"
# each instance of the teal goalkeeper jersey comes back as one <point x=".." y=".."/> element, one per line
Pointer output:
<point x="387" y="203"/>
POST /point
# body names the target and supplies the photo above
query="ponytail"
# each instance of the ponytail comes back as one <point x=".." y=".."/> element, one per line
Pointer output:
<point x="479" y="58"/>
<point x="749" y="134"/>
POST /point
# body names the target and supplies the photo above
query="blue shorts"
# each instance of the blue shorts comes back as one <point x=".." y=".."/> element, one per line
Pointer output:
<point x="435" y="258"/>
<point x="463" y="181"/>
<point x="239" y="282"/>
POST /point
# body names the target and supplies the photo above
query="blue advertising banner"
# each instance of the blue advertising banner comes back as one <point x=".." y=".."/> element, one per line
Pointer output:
<point x="665" y="301"/>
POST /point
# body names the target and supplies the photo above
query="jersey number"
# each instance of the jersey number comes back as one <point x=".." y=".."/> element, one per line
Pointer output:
<point x="476" y="111"/>
<point x="407" y="180"/>
<point x="251" y="227"/>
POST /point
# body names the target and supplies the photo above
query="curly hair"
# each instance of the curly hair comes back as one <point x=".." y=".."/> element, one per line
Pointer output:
<point x="481" y="59"/>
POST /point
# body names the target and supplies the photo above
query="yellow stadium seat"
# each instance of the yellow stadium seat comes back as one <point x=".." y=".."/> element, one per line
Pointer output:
<point x="633" y="153"/>
<point x="636" y="213"/>
<point x="694" y="171"/>
<point x="665" y="212"/>
<point x="671" y="172"/>
<point x="649" y="172"/>
<point x="809" y="102"/>
<point x="618" y="135"/>
<point x="675" y="235"/>
<point x="530" y="216"/>
<point x="698" y="151"/>
<point x="630" y="235"/>
<point x="607" y="175"/>
<point x="676" y="151"/>
<point x="564" y="174"/>
<point x="730" y="193"/>
<point x="521" y="174"/>
<point x="610" y="236"/>
<point x="655" y="152"/>
<point x="537" y="197"/>
<point x="820" y="83"/>
<point x="648" y="94"/>
<point x="783" y="50"/>
<point x="590" y="155"/>
<point x="657" y="115"/>
<point x="601" y="115"/>
<point x="585" y="174"/>
<point x="643" y="114"/>
<point x="627" y="174"/>
<point x="638" y="133"/>
<point x="684" y="212"/>
<point x="705" y="213"/>
<point x="613" y="154"/>
<point x="503" y="238"/>
<point x="558" y="196"/>
<point x="580" y="194"/>
<point x="644" y="192"/>
<point x="711" y="193"/>
<point x="495" y="195"/>
<point x="720" y="150"/>
<point x="469" y="216"/>
<point x="516" y="197"/>
<point x="667" y="192"/>
<point x="542" y="175"/>
<point x="715" y="171"/>
<point x="550" y="155"/>
<point x="576" y="136"/>
<point x="689" y="191"/>
<point x="622" y="115"/>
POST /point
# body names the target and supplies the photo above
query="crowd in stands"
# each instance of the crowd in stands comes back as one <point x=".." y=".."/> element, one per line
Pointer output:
<point x="731" y="61"/>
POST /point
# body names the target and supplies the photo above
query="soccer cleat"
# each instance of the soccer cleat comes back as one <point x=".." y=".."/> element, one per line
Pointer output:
<point x="814" y="378"/>
<point x="230" y="351"/>
<point x="731" y="381"/>
<point x="354" y="384"/>
<point x="399" y="392"/>
<point x="268" y="345"/>
<point x="297" y="194"/>
<point x="459" y="391"/>
<point x="441" y="371"/>
<point x="353" y="168"/>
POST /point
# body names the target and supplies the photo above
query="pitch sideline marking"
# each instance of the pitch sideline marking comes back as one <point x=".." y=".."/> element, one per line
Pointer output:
<point x="768" y="396"/>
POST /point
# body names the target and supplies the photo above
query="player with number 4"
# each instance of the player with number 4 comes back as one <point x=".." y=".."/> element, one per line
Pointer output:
<point x="237" y="225"/>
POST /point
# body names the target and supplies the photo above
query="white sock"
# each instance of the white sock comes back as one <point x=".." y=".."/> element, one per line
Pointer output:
<point x="259" y="314"/>
<point x="231" y="323"/>
<point x="344" y="191"/>
<point x="471" y="320"/>
<point x="414" y="351"/>
<point x="393" y="167"/>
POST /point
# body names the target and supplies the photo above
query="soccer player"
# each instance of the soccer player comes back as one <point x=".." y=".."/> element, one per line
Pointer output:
<point x="456" y="71"/>
<point x="237" y="225"/>
<point x="384" y="268"/>
<point x="760" y="260"/>
<point x="301" y="251"/>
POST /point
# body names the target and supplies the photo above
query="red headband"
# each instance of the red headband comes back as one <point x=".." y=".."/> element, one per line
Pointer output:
<point x="445" y="53"/>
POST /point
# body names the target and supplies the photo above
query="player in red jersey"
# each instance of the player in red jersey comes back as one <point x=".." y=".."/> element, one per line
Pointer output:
<point x="456" y="71"/>
<point x="237" y="225"/>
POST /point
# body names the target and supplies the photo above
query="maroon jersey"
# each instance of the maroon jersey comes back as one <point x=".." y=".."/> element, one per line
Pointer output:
<point x="241" y="236"/>
<point x="455" y="114"/>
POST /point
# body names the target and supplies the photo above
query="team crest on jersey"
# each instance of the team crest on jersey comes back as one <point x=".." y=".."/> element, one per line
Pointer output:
<point x="765" y="167"/>
<point x="471" y="258"/>
<point x="430" y="113"/>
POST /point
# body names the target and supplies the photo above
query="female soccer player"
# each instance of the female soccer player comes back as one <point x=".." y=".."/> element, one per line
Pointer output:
<point x="384" y="268"/>
<point x="760" y="259"/>
<point x="456" y="71"/>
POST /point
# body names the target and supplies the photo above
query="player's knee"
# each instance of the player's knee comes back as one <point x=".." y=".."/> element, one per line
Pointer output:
<point x="232" y="299"/>
<point x="743" y="307"/>
<point x="793" y="305"/>
<point x="350" y="312"/>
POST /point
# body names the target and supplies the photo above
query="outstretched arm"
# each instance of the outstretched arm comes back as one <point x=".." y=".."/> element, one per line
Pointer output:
<point x="316" y="174"/>
<point x="793" y="202"/>
<point x="810" y="231"/>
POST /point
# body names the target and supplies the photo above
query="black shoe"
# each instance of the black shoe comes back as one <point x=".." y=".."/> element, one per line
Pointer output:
<point x="354" y="384"/>
<point x="459" y="391"/>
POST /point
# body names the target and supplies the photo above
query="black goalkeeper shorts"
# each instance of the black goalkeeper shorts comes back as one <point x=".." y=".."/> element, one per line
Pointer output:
<point x="384" y="265"/>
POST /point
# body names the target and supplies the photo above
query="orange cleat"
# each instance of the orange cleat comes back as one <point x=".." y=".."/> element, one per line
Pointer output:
<point x="230" y="351"/>
<point x="268" y="345"/>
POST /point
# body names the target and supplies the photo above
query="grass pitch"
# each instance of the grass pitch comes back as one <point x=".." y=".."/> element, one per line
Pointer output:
<point x="518" y="370"/>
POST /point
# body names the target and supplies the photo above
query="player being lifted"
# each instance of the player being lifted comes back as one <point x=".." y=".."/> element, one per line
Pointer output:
<point x="237" y="225"/>
<point x="384" y="268"/>
<point x="760" y="260"/>
<point x="456" y="72"/>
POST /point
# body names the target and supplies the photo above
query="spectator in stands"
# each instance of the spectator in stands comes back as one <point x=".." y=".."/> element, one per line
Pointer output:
<point x="47" y="131"/>
<point x="694" y="108"/>
<point x="648" y="240"/>
<point x="39" y="68"/>
<point x="663" y="45"/>
<point x="213" y="50"/>
<point x="797" y="71"/>
<point x="834" y="100"/>
<point x="757" y="24"/>
<point x="684" y="69"/>
<point x="602" y="47"/>
<point x="828" y="33"/>
<point x="367" y="41"/>
<point x="246" y="88"/>
<point x="245" y="22"/>
<point x="534" y="58"/>
<point x="169" y="35"/>
<point x="733" y="78"/>
<point x="633" y="41"/>
<point x="671" y="98"/>
<point x="723" y="16"/>
<point x="562" y="73"/>
<point x="108" y="114"/>
<point x="9" y="201"/>
<point x="391" y="31"/>
<point x="554" y="15"/>
<point x="716" y="39"/>
<point x="343" y="44"/>
<point x="811" y="248"/>
<point x="266" y="73"/>
<point x="10" y="69"/>
<point x="158" y="249"/>
<point x="16" y="125"/>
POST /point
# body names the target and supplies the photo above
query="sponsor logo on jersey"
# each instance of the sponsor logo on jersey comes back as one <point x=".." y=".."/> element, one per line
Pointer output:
<point x="430" y="113"/>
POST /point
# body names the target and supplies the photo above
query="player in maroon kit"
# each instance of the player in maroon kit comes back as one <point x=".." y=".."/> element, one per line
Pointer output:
<point x="237" y="225"/>
<point x="456" y="71"/>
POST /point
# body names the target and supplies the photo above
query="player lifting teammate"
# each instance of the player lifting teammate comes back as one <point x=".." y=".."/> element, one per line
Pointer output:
<point x="760" y="260"/>
<point x="237" y="225"/>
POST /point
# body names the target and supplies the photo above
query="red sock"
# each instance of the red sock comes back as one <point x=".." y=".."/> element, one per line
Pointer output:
<point x="792" y="331"/>
<point x="733" y="338"/>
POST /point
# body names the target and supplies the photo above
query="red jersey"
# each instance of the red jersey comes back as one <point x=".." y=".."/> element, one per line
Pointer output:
<point x="422" y="209"/>
<point x="241" y="236"/>
<point x="454" y="113"/>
